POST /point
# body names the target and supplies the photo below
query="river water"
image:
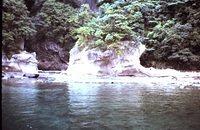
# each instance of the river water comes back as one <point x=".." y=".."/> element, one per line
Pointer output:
<point x="27" y="104"/>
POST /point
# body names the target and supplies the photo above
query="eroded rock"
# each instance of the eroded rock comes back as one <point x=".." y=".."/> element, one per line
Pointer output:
<point x="20" y="65"/>
<point x="121" y="62"/>
<point x="51" y="55"/>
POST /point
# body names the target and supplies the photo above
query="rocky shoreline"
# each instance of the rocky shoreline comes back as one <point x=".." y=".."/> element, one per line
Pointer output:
<point x="179" y="51"/>
<point x="89" y="63"/>
<point x="182" y="81"/>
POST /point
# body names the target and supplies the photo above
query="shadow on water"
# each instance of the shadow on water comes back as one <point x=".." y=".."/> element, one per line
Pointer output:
<point x="58" y="106"/>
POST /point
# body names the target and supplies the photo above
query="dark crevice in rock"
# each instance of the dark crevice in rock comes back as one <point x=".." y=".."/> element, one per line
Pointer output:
<point x="51" y="55"/>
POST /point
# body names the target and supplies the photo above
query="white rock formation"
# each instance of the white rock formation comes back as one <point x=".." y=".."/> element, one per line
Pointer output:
<point x="22" y="64"/>
<point x="123" y="61"/>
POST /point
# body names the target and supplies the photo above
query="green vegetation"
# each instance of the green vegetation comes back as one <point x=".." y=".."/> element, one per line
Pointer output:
<point x="116" y="21"/>
<point x="161" y="32"/>
<point x="17" y="26"/>
<point x="55" y="21"/>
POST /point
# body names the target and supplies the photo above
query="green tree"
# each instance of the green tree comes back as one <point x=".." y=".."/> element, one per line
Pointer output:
<point x="116" y="21"/>
<point x="55" y="21"/>
<point x="17" y="26"/>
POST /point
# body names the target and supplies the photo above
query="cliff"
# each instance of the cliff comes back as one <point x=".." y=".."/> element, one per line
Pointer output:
<point x="50" y="28"/>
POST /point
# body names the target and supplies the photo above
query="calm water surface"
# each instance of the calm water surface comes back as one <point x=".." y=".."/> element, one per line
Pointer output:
<point x="103" y="106"/>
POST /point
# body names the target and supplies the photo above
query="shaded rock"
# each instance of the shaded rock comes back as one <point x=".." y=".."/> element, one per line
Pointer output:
<point x="51" y="55"/>
<point x="31" y="75"/>
<point x="132" y="72"/>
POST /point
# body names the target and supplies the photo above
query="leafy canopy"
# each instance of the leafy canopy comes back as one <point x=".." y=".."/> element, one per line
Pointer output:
<point x="55" y="21"/>
<point x="17" y="25"/>
<point x="116" y="21"/>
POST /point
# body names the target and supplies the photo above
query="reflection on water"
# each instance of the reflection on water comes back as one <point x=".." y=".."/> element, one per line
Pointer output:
<point x="54" y="106"/>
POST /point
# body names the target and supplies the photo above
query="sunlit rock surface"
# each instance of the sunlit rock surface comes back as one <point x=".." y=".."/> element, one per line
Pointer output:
<point x="127" y="63"/>
<point x="22" y="64"/>
<point x="116" y="62"/>
<point x="88" y="65"/>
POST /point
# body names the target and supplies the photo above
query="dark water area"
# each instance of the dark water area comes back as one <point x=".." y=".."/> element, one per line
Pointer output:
<point x="98" y="106"/>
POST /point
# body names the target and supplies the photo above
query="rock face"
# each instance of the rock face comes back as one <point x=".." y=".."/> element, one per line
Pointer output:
<point x="51" y="55"/>
<point x="22" y="64"/>
<point x="109" y="62"/>
<point x="180" y="51"/>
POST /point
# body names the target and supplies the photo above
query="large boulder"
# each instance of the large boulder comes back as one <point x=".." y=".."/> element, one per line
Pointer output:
<point x="22" y="64"/>
<point x="123" y="61"/>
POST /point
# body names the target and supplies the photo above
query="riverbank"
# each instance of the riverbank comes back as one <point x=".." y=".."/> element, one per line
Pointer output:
<point x="166" y="77"/>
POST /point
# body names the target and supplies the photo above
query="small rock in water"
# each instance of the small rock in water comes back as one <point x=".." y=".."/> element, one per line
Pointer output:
<point x="31" y="75"/>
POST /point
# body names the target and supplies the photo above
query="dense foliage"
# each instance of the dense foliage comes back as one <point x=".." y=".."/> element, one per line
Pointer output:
<point x="55" y="21"/>
<point x="173" y="23"/>
<point x="174" y="41"/>
<point x="181" y="29"/>
<point x="116" y="21"/>
<point x="17" y="26"/>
